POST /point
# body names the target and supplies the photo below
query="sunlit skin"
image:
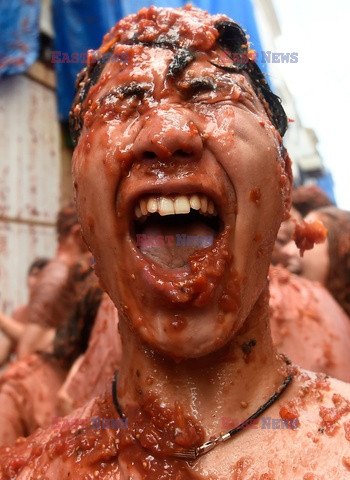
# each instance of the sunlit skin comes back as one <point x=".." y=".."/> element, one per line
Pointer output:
<point x="186" y="362"/>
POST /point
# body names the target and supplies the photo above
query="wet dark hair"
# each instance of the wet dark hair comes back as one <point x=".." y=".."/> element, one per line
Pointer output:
<point x="309" y="197"/>
<point x="72" y="336"/>
<point x="38" y="264"/>
<point x="66" y="219"/>
<point x="232" y="40"/>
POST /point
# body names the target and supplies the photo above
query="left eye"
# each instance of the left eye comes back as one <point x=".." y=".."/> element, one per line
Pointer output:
<point x="198" y="86"/>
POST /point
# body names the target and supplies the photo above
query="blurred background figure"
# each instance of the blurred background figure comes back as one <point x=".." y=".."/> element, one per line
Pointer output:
<point x="329" y="262"/>
<point x="14" y="326"/>
<point x="94" y="370"/>
<point x="304" y="199"/>
<point x="308" y="325"/>
<point x="69" y="348"/>
<point x="59" y="285"/>
<point x="29" y="387"/>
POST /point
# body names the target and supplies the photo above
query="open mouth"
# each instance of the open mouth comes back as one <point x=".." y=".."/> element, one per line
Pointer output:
<point x="170" y="229"/>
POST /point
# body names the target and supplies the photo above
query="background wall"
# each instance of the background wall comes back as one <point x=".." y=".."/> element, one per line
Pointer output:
<point x="29" y="181"/>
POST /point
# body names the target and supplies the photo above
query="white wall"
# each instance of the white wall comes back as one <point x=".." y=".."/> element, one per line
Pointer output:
<point x="29" y="182"/>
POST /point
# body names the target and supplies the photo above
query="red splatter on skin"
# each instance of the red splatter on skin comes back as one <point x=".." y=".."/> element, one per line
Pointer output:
<point x="322" y="382"/>
<point x="255" y="196"/>
<point x="307" y="234"/>
<point x="229" y="301"/>
<point x="257" y="237"/>
<point x="313" y="388"/>
<point x="179" y="323"/>
<point x="346" y="462"/>
<point x="152" y="435"/>
<point x="240" y="469"/>
<point x="331" y="415"/>
<point x="207" y="267"/>
<point x="288" y="411"/>
<point x="347" y="430"/>
<point x="148" y="26"/>
<point x="341" y="403"/>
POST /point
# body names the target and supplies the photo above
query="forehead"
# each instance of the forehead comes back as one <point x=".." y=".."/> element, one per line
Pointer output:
<point x="153" y="66"/>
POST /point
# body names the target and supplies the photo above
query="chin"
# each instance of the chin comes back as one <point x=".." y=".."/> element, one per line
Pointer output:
<point x="182" y="334"/>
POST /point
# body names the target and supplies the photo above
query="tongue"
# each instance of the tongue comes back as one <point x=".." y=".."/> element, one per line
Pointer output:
<point x="171" y="246"/>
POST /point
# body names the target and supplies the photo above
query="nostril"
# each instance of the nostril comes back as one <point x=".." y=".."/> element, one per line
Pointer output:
<point x="182" y="153"/>
<point x="149" y="155"/>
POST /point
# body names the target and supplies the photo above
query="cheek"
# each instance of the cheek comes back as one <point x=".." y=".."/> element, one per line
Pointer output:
<point x="315" y="263"/>
<point x="219" y="129"/>
<point x="31" y="281"/>
<point x="255" y="170"/>
<point x="246" y="146"/>
<point x="259" y="190"/>
<point x="96" y="174"/>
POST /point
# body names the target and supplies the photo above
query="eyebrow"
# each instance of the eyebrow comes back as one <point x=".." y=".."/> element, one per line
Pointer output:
<point x="126" y="90"/>
<point x="182" y="58"/>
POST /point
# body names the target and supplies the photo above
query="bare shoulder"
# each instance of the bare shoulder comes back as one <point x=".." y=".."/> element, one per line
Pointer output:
<point x="305" y="435"/>
<point x="320" y="445"/>
<point x="72" y="448"/>
<point x="320" y="396"/>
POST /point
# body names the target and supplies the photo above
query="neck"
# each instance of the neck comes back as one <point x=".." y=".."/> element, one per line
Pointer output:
<point x="224" y="387"/>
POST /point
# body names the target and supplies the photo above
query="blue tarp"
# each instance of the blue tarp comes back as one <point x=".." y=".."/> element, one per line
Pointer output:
<point x="80" y="25"/>
<point x="327" y="184"/>
<point x="19" y="35"/>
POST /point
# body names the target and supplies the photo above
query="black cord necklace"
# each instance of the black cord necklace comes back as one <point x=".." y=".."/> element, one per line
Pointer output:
<point x="195" y="452"/>
<point x="115" y="398"/>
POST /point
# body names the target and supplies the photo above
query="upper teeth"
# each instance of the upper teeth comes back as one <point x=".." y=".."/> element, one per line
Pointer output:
<point x="174" y="205"/>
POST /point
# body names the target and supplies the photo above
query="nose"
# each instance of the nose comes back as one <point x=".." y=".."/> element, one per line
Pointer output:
<point x="168" y="133"/>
